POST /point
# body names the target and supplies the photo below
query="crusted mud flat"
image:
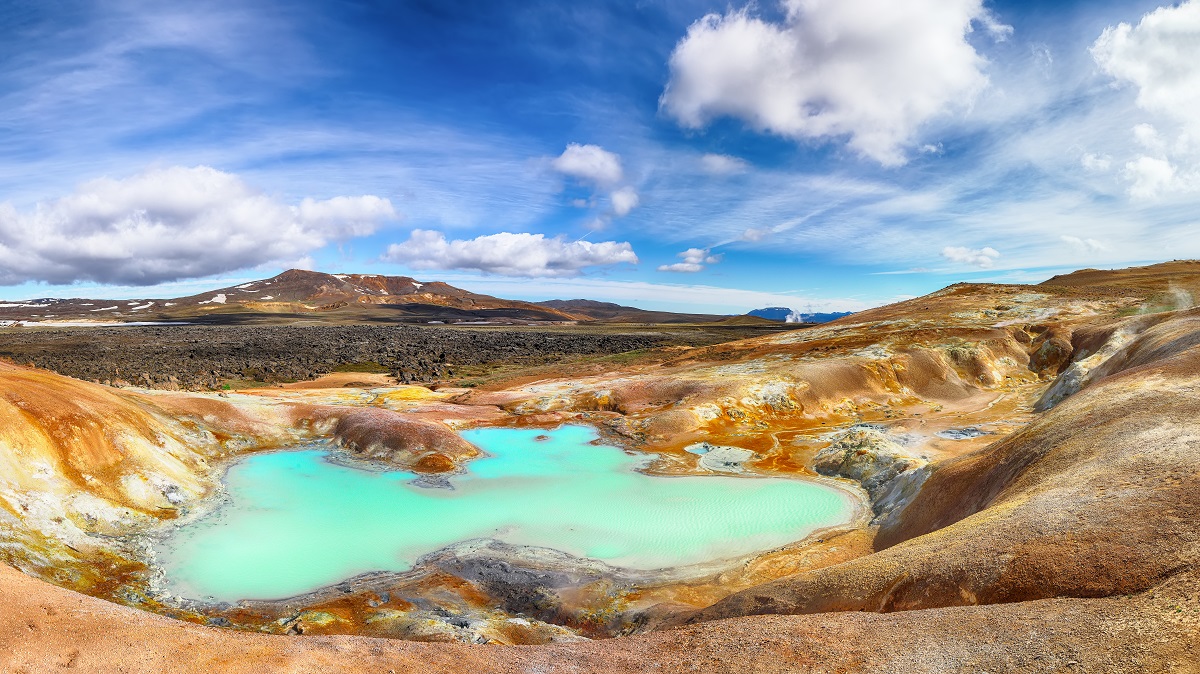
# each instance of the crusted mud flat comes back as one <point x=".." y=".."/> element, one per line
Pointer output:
<point x="1030" y="457"/>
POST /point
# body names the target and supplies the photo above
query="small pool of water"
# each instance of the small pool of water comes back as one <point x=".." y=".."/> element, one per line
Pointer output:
<point x="295" y="522"/>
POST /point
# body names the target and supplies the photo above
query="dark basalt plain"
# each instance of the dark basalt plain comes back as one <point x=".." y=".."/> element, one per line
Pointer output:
<point x="205" y="356"/>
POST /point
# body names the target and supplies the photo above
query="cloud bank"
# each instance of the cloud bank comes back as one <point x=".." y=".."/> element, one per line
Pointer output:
<point x="869" y="70"/>
<point x="170" y="224"/>
<point x="508" y="254"/>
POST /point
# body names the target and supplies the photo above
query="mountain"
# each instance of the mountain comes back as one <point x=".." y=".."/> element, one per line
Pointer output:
<point x="1179" y="276"/>
<point x="305" y="292"/>
<point x="792" y="316"/>
<point x="773" y="313"/>
<point x="337" y="298"/>
<point x="608" y="312"/>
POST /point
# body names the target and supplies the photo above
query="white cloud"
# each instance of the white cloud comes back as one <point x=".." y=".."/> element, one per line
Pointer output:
<point x="1160" y="57"/>
<point x="1147" y="136"/>
<point x="590" y="164"/>
<point x="1084" y="245"/>
<point x="1095" y="162"/>
<point x="1150" y="177"/>
<point x="593" y="165"/>
<point x="870" y="70"/>
<point x="694" y="260"/>
<point x="508" y="254"/>
<point x="983" y="258"/>
<point x="624" y="200"/>
<point x="348" y="216"/>
<point x="723" y="164"/>
<point x="753" y="234"/>
<point x="169" y="224"/>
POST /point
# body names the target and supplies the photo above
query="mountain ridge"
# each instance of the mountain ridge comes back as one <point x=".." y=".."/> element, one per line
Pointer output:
<point x="298" y="294"/>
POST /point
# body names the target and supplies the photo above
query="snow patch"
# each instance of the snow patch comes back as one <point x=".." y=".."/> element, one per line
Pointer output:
<point x="219" y="299"/>
<point x="107" y="308"/>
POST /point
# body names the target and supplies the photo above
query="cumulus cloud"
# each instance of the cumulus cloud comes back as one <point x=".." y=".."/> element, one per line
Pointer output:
<point x="169" y="224"/>
<point x="983" y="258"/>
<point x="723" y="164"/>
<point x="1150" y="177"/>
<point x="594" y="166"/>
<point x="590" y="164"/>
<point x="624" y="200"/>
<point x="1084" y="245"/>
<point x="1147" y="136"/>
<point x="1160" y="58"/>
<point x="694" y="260"/>
<point x="508" y="254"/>
<point x="869" y="70"/>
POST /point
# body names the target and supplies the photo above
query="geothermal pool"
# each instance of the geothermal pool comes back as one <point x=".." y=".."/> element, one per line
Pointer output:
<point x="295" y="522"/>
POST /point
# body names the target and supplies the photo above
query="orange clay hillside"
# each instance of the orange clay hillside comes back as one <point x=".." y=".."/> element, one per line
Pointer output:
<point x="1027" y="458"/>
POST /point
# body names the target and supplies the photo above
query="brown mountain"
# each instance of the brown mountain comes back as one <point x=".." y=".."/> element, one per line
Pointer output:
<point x="336" y="298"/>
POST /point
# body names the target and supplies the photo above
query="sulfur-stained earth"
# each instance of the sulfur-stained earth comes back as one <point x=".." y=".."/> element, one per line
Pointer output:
<point x="1028" y="459"/>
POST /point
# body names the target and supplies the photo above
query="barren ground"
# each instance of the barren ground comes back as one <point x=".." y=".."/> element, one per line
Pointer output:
<point x="1028" y="457"/>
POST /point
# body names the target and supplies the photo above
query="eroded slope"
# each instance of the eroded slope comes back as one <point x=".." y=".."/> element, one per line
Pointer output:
<point x="1031" y="456"/>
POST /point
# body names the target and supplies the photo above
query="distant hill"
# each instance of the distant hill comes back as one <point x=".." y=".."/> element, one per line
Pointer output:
<point x="616" y="313"/>
<point x="792" y="316"/>
<point x="299" y="295"/>
<point x="1168" y="277"/>
<point x="772" y="313"/>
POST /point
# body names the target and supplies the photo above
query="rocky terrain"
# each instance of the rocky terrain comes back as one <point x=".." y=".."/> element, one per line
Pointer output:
<point x="210" y="357"/>
<point x="1027" y="457"/>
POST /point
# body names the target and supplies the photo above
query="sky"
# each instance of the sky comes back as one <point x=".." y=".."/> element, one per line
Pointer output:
<point x="822" y="155"/>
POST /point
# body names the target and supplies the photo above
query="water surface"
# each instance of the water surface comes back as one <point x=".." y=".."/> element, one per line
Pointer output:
<point x="295" y="522"/>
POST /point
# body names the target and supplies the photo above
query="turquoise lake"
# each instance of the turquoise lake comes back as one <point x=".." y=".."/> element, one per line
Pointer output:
<point x="295" y="521"/>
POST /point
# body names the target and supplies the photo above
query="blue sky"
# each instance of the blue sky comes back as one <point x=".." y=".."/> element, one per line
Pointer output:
<point x="696" y="156"/>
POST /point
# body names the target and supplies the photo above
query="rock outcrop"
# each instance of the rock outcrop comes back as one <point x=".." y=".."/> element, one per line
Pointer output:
<point x="889" y="473"/>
